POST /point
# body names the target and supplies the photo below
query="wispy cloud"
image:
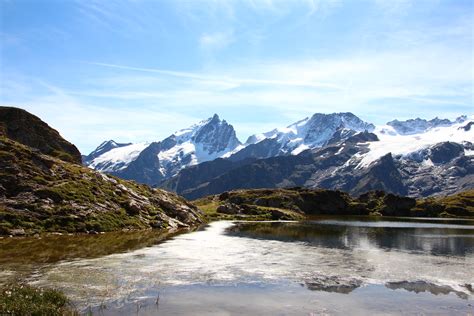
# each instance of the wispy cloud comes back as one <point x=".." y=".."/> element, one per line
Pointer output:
<point x="211" y="42"/>
<point x="231" y="81"/>
<point x="148" y="68"/>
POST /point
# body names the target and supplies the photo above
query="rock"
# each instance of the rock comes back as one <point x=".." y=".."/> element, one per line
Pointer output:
<point x="445" y="152"/>
<point x="223" y="196"/>
<point x="279" y="215"/>
<point x="333" y="284"/>
<point x="228" y="208"/>
<point x="133" y="207"/>
<point x="17" y="232"/>
<point x="397" y="205"/>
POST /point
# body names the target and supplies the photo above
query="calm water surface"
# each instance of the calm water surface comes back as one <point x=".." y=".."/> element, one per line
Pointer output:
<point x="319" y="266"/>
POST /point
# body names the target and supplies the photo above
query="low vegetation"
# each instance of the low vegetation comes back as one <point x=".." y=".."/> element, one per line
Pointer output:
<point x="294" y="203"/>
<point x="40" y="193"/>
<point x="22" y="299"/>
<point x="216" y="210"/>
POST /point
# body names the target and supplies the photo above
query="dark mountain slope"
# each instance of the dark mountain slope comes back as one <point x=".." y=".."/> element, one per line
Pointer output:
<point x="441" y="169"/>
<point x="27" y="129"/>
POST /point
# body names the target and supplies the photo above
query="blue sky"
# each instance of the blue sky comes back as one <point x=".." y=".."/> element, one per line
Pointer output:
<point x="139" y="70"/>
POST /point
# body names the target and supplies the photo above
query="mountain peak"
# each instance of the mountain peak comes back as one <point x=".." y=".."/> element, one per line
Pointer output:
<point x="104" y="147"/>
<point x="216" y="135"/>
<point x="419" y="125"/>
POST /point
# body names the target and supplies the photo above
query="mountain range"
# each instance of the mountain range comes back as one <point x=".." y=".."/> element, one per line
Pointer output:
<point x="416" y="157"/>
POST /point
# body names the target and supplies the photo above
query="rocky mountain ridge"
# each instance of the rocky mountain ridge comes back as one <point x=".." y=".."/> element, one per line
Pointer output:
<point x="150" y="163"/>
<point x="348" y="165"/>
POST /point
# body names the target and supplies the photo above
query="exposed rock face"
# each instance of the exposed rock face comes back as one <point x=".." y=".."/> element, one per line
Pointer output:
<point x="40" y="193"/>
<point x="467" y="127"/>
<point x="445" y="152"/>
<point x="216" y="136"/>
<point x="382" y="175"/>
<point x="27" y="129"/>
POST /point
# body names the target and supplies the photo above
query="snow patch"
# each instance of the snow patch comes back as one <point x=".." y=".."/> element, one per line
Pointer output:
<point x="406" y="144"/>
<point x="117" y="158"/>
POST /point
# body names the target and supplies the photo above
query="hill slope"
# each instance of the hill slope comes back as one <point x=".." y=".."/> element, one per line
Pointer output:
<point x="25" y="128"/>
<point x="41" y="193"/>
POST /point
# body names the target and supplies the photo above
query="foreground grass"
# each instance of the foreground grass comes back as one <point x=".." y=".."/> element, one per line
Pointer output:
<point x="21" y="299"/>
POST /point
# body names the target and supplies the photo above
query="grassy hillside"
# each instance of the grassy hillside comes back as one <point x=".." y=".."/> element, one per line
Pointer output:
<point x="40" y="193"/>
<point x="297" y="202"/>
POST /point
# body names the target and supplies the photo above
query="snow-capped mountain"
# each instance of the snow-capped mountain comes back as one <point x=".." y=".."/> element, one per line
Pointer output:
<point x="405" y="141"/>
<point x="309" y="133"/>
<point x="106" y="146"/>
<point x="417" y="126"/>
<point x="338" y="151"/>
<point x="116" y="158"/>
<point x="152" y="162"/>
<point x="437" y="160"/>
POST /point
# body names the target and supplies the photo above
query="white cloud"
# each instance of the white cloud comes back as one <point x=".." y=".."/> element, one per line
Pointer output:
<point x="212" y="42"/>
<point x="146" y="104"/>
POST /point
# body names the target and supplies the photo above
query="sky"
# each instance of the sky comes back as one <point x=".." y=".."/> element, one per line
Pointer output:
<point x="139" y="70"/>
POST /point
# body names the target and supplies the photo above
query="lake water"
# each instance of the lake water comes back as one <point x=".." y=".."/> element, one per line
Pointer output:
<point x="325" y="265"/>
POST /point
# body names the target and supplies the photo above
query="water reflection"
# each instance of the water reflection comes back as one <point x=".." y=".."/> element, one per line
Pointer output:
<point x="422" y="286"/>
<point x="432" y="238"/>
<point x="262" y="263"/>
<point x="23" y="256"/>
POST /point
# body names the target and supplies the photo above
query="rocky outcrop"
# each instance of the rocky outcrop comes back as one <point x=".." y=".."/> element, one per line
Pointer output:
<point x="382" y="175"/>
<point x="445" y="152"/>
<point x="29" y="130"/>
<point x="328" y="202"/>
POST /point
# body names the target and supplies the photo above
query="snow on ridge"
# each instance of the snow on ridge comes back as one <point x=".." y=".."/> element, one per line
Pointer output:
<point x="312" y="132"/>
<point x="397" y="144"/>
<point x="117" y="158"/>
<point x="195" y="152"/>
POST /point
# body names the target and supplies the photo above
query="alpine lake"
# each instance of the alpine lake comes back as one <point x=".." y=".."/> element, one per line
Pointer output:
<point x="319" y="266"/>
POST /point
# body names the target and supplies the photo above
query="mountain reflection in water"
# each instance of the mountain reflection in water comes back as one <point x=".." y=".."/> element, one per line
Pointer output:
<point x="325" y="265"/>
<point x="436" y="239"/>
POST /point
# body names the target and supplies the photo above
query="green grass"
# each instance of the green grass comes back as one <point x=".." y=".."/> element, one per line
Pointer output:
<point x="22" y="299"/>
<point x="209" y="206"/>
